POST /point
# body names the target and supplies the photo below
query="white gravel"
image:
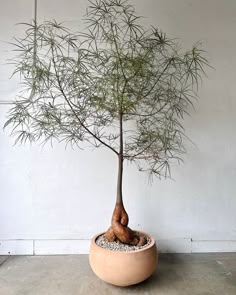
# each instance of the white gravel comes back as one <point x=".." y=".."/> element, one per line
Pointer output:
<point x="118" y="246"/>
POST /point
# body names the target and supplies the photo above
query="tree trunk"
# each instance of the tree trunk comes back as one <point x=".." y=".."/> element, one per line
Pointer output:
<point x="119" y="224"/>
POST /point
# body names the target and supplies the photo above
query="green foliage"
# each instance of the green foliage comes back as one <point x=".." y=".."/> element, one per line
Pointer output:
<point x="116" y="84"/>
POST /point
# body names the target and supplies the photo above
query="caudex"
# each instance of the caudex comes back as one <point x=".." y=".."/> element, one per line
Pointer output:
<point x="115" y="85"/>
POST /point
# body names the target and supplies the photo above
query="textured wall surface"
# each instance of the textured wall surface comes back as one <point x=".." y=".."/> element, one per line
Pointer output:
<point x="54" y="200"/>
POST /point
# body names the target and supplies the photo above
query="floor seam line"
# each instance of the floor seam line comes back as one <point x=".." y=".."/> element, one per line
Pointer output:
<point x="1" y="264"/>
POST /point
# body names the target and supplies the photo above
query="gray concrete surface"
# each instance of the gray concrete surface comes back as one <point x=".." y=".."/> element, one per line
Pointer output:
<point x="177" y="274"/>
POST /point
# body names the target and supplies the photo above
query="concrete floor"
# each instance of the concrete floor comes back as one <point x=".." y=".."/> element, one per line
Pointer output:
<point x="177" y="274"/>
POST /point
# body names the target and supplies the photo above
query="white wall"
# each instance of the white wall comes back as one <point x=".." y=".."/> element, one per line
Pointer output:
<point x="54" y="200"/>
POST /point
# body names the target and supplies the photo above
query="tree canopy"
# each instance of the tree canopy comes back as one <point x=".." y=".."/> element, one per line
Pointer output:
<point x="114" y="84"/>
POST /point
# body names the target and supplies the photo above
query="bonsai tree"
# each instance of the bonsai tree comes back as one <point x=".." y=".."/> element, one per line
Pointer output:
<point x="116" y="85"/>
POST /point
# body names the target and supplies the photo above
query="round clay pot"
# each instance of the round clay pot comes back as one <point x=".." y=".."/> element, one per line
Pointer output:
<point x="123" y="268"/>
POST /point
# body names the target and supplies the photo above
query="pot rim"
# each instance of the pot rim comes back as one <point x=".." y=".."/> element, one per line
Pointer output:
<point x="153" y="242"/>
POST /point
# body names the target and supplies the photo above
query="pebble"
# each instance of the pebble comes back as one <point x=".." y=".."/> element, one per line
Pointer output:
<point x="118" y="246"/>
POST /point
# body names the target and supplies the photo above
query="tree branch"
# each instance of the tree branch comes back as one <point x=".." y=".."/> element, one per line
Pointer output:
<point x="72" y="109"/>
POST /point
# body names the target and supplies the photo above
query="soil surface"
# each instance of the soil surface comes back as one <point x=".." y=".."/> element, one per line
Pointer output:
<point x="118" y="246"/>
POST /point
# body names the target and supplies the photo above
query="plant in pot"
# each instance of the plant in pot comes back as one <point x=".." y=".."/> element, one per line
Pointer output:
<point x="118" y="86"/>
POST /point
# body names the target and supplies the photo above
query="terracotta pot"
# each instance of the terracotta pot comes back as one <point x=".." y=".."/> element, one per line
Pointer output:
<point x="123" y="268"/>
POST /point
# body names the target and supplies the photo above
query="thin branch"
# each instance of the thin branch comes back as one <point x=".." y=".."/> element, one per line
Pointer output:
<point x="72" y="109"/>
